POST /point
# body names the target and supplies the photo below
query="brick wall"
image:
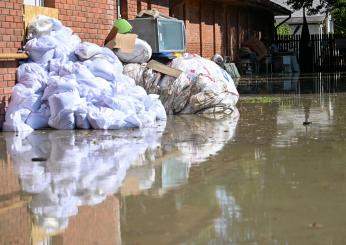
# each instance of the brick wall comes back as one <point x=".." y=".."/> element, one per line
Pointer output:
<point x="90" y="19"/>
<point x="130" y="8"/>
<point x="11" y="35"/>
<point x="93" y="225"/>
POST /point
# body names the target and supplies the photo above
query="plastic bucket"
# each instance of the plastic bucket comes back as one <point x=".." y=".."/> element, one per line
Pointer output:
<point x="123" y="26"/>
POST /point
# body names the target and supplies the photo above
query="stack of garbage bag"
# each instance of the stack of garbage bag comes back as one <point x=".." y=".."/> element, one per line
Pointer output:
<point x="71" y="84"/>
<point x="202" y="87"/>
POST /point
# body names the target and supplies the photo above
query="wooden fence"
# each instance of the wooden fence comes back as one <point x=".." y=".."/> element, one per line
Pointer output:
<point x="329" y="50"/>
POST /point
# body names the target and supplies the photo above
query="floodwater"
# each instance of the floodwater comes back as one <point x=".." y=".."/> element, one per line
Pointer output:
<point x="256" y="177"/>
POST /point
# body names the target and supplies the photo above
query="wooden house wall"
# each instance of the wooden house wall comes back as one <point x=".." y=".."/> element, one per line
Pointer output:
<point x="214" y="27"/>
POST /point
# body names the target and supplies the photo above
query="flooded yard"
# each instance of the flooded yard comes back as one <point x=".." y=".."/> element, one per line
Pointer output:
<point x="259" y="176"/>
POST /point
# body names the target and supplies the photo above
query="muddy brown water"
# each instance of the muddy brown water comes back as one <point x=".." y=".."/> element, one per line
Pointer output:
<point x="260" y="177"/>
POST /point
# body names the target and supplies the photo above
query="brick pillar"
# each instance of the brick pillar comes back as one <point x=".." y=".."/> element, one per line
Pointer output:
<point x="193" y="27"/>
<point x="11" y="36"/>
<point x="207" y="29"/>
<point x="130" y="8"/>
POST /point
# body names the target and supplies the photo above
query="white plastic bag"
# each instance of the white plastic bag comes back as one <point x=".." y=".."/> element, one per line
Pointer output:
<point x="32" y="76"/>
<point x="141" y="54"/>
<point x="87" y="50"/>
<point x="106" y="118"/>
<point x="23" y="99"/>
<point x="58" y="85"/>
<point x="41" y="50"/>
<point x="101" y="67"/>
<point x="63" y="120"/>
<point x="39" y="27"/>
<point x="39" y="119"/>
<point x="62" y="108"/>
<point x="108" y="54"/>
<point x="14" y="123"/>
<point x="94" y="88"/>
<point x="62" y="101"/>
<point x="153" y="104"/>
<point x="81" y="116"/>
<point x="67" y="44"/>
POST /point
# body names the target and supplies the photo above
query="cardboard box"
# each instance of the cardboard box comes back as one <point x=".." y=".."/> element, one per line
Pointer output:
<point x="258" y="47"/>
<point x="124" y="42"/>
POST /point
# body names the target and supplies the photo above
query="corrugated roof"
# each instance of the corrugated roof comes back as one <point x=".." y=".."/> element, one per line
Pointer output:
<point x="276" y="7"/>
<point x="299" y="20"/>
<point x="280" y="8"/>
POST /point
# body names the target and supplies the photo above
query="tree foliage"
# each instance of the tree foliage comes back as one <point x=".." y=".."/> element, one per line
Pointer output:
<point x="337" y="8"/>
<point x="339" y="16"/>
<point x="314" y="6"/>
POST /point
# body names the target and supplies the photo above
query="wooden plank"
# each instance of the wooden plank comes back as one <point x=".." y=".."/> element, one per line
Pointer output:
<point x="30" y="13"/>
<point x="157" y="66"/>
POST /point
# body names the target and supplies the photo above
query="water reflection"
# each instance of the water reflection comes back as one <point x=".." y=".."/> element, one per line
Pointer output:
<point x="293" y="83"/>
<point x="62" y="171"/>
<point x="187" y="141"/>
<point x="317" y="110"/>
<point x="276" y="182"/>
<point x="262" y="178"/>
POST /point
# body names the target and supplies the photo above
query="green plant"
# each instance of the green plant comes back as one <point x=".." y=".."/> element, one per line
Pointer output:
<point x="283" y="29"/>
<point x="339" y="16"/>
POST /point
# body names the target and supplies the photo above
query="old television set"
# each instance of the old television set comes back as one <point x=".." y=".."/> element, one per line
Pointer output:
<point x="163" y="35"/>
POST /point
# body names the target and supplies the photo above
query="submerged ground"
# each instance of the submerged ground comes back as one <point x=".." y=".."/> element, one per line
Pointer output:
<point x="257" y="177"/>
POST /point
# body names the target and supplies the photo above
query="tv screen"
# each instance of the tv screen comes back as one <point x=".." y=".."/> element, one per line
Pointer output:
<point x="163" y="35"/>
<point x="171" y="35"/>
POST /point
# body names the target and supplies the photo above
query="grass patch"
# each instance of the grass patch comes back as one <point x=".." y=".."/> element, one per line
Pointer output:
<point x="259" y="99"/>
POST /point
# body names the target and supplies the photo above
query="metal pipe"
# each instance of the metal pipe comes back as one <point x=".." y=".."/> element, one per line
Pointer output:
<point x="118" y="9"/>
<point x="14" y="56"/>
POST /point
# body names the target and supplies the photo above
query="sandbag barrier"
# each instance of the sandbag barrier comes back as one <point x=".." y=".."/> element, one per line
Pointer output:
<point x="69" y="84"/>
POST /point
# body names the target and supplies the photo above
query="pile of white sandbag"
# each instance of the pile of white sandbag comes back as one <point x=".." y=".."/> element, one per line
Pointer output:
<point x="202" y="87"/>
<point x="71" y="84"/>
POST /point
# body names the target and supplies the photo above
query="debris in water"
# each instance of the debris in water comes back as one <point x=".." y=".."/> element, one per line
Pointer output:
<point x="315" y="225"/>
<point x="39" y="159"/>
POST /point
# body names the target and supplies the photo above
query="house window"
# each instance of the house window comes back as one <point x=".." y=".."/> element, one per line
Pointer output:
<point x="34" y="2"/>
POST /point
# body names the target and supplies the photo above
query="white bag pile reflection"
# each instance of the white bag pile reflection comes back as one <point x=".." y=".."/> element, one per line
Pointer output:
<point x="76" y="168"/>
<point x="66" y="80"/>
